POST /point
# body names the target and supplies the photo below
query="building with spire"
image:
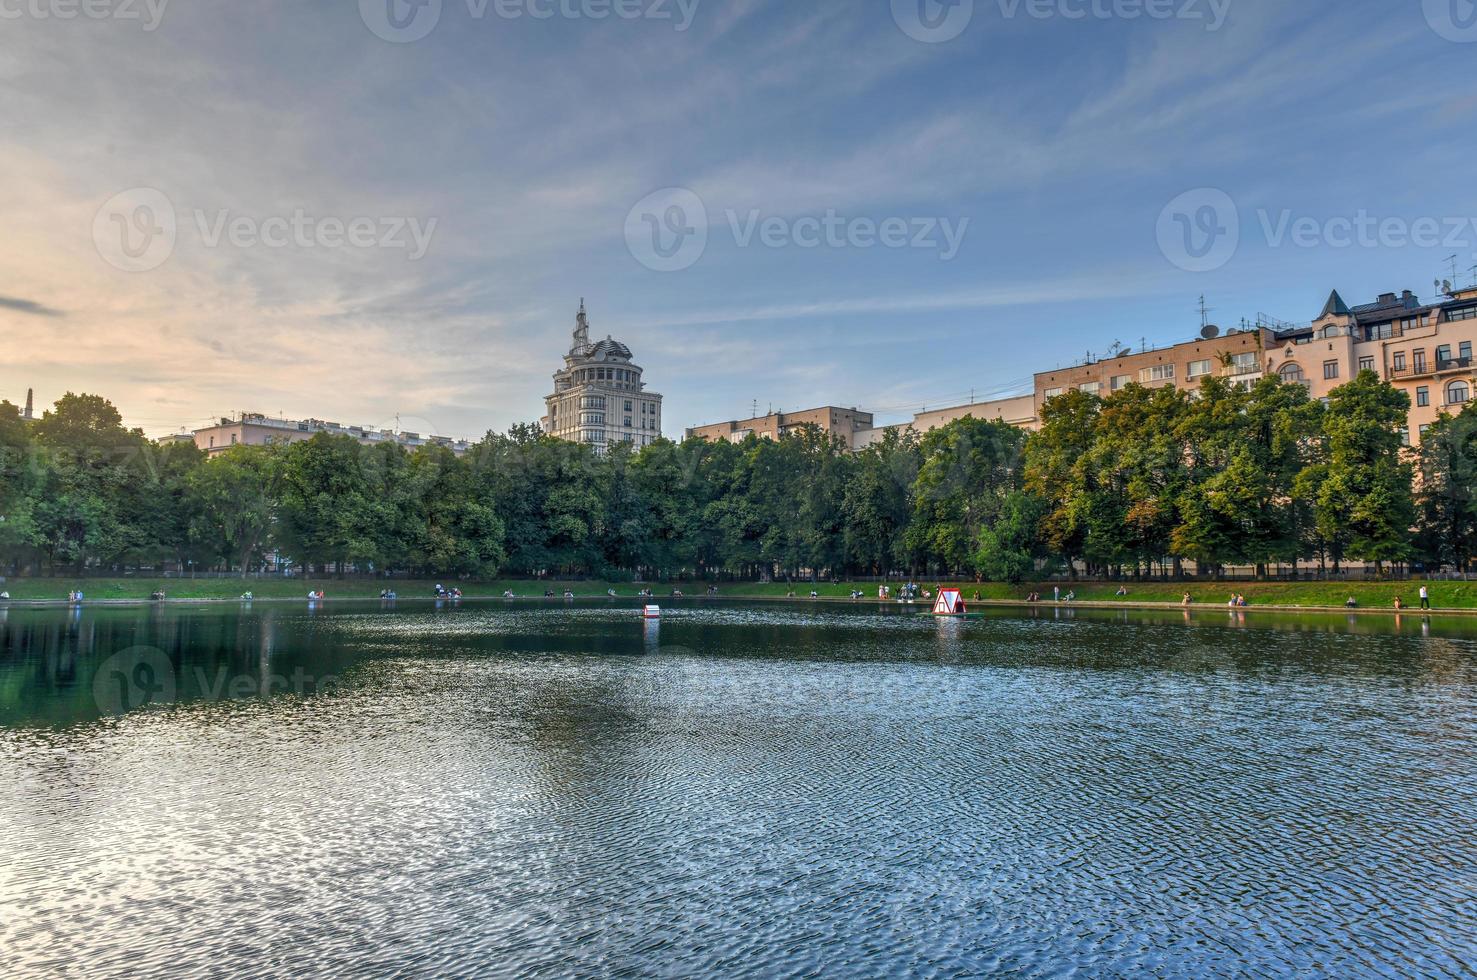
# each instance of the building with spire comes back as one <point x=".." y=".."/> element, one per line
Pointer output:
<point x="599" y="396"/>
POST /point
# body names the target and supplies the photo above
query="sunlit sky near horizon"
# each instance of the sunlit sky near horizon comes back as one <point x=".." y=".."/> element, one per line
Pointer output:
<point x="182" y="181"/>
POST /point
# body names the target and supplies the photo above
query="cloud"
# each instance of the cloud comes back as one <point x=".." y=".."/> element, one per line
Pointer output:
<point x="28" y="306"/>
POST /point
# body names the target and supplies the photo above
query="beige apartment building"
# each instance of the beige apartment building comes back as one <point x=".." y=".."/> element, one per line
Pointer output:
<point x="256" y="429"/>
<point x="846" y="424"/>
<point x="1235" y="355"/>
<point x="1424" y="349"/>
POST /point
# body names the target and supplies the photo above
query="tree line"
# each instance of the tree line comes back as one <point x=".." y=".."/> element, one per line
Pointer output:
<point x="1142" y="482"/>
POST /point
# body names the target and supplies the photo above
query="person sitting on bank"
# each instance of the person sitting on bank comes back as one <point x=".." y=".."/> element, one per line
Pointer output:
<point x="1399" y="603"/>
<point x="1185" y="601"/>
<point x="1122" y="591"/>
<point x="1351" y="603"/>
<point x="246" y="596"/>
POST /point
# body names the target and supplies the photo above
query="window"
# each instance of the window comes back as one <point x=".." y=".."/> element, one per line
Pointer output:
<point x="212" y="442"/>
<point x="1443" y="354"/>
<point x="1379" y="331"/>
<point x="1423" y="430"/>
<point x="1051" y="393"/>
<point x="1366" y="364"/>
<point x="1198" y="369"/>
<point x="1470" y="313"/>
<point x="1330" y="370"/>
<point x="1465" y="350"/>
<point x="233" y="438"/>
<point x="1244" y="363"/>
<point x="1159" y="372"/>
<point x="1092" y="388"/>
<point x="1418" y="360"/>
<point x="1405" y="436"/>
<point x="628" y="404"/>
<point x="1457" y="393"/>
<point x="1291" y="373"/>
<point x="1400" y="361"/>
<point x="1422" y="396"/>
<point x="1119" y="382"/>
<point x="1410" y="323"/>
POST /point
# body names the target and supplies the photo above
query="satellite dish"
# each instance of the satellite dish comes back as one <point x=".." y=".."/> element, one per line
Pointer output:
<point x="1210" y="331"/>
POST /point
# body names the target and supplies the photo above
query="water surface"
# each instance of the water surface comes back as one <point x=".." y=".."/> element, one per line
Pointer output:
<point x="763" y="790"/>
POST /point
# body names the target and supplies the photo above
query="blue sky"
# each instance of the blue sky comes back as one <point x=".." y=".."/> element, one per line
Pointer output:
<point x="1068" y="155"/>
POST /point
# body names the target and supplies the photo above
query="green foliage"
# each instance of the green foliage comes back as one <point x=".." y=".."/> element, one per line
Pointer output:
<point x="1142" y="479"/>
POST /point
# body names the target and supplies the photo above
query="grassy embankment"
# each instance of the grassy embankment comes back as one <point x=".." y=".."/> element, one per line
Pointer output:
<point x="1370" y="595"/>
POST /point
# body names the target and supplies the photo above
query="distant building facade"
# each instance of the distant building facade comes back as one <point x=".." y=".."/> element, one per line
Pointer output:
<point x="846" y="424"/>
<point x="599" y="396"/>
<point x="255" y="429"/>
<point x="1235" y="356"/>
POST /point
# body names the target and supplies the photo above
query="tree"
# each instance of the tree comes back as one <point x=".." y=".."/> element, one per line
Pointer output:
<point x="1364" y="500"/>
<point x="1448" y="490"/>
<point x="234" y="500"/>
<point x="968" y="469"/>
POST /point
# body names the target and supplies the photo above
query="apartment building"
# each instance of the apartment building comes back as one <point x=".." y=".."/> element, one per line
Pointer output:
<point x="1235" y="356"/>
<point x="846" y="424"/>
<point x="1424" y="349"/>
<point x="256" y="429"/>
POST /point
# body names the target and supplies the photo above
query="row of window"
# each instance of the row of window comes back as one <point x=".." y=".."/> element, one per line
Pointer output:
<point x="1443" y="356"/>
<point x="1245" y="363"/>
<point x="622" y="375"/>
<point x="1466" y="313"/>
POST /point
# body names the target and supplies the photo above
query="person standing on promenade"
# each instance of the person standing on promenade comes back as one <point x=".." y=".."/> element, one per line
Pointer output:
<point x="1425" y="598"/>
<point x="1056" y="593"/>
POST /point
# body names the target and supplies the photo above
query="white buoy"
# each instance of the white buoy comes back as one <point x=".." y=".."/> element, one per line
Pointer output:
<point x="653" y="612"/>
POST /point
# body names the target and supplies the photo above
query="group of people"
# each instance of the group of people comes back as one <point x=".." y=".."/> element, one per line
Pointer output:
<point x="441" y="593"/>
<point x="74" y="597"/>
<point x="318" y="596"/>
<point x="157" y="595"/>
<point x="388" y="594"/>
<point x="1425" y="599"/>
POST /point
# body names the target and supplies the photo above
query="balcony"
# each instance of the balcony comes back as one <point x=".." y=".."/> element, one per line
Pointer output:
<point x="1428" y="369"/>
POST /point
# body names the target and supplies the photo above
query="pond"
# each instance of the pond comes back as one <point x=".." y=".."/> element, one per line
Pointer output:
<point x="742" y="789"/>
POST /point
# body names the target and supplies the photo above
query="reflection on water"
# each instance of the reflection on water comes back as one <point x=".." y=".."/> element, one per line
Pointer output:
<point x="739" y="789"/>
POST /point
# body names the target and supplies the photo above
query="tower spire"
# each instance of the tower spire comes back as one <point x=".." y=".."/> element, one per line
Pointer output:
<point x="581" y="328"/>
<point x="30" y="395"/>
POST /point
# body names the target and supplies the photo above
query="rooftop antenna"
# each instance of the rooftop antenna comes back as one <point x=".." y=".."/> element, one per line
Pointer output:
<point x="1452" y="260"/>
<point x="1204" y="313"/>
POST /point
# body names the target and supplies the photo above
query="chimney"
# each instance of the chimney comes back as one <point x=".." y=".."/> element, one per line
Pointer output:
<point x="1410" y="298"/>
<point x="30" y="399"/>
<point x="1387" y="299"/>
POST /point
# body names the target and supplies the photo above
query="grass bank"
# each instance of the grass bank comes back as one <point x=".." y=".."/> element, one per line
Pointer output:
<point x="1370" y="595"/>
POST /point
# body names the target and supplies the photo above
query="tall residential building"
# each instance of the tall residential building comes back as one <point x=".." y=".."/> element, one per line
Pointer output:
<point x="846" y="424"/>
<point x="1424" y="349"/>
<point x="599" y="397"/>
